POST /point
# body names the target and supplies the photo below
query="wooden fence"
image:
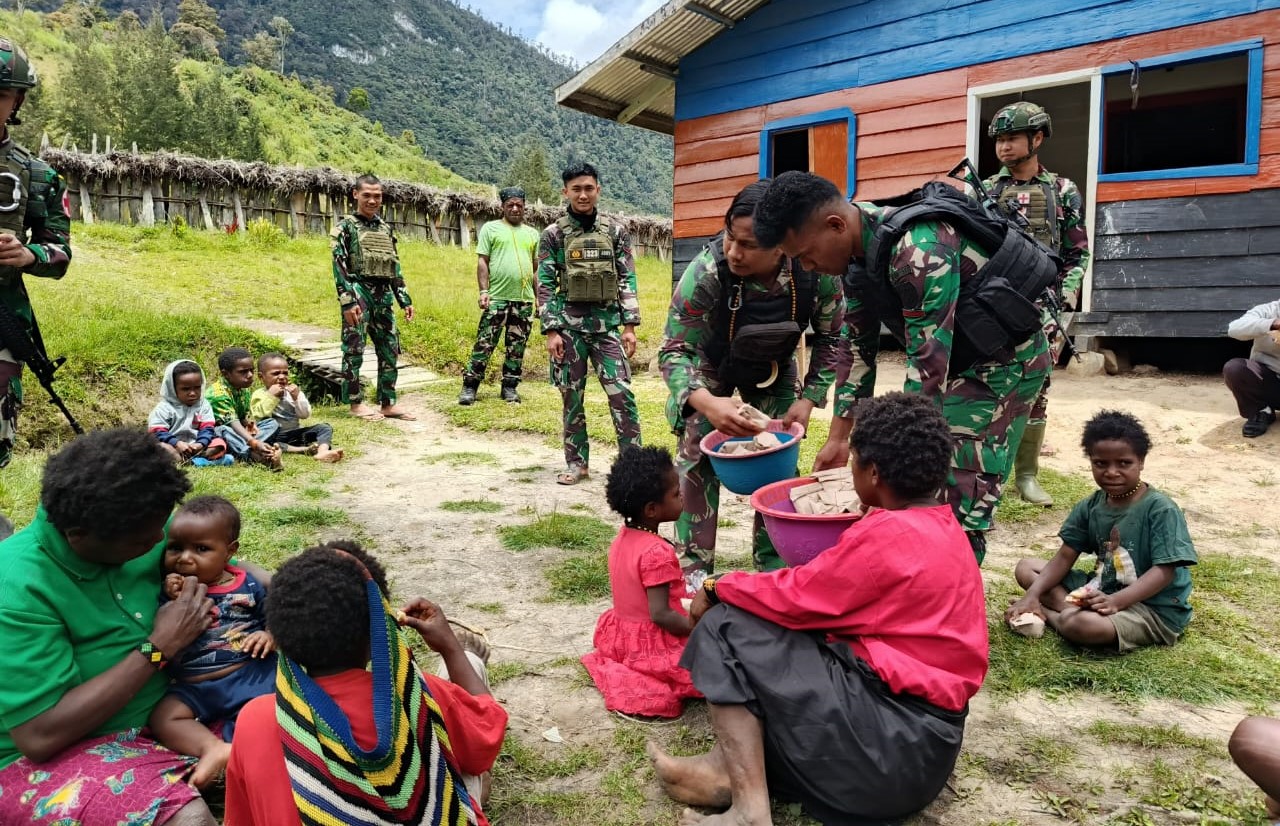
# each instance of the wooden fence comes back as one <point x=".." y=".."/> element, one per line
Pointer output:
<point x="149" y="189"/>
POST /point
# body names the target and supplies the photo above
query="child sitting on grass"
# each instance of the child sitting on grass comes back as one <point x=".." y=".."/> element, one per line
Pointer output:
<point x="1143" y="547"/>
<point x="230" y="398"/>
<point x="183" y="420"/>
<point x="233" y="661"/>
<point x="283" y="403"/>
<point x="640" y="639"/>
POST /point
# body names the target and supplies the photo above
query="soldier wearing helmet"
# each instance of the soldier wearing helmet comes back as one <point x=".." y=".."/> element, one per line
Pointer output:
<point x="1055" y="214"/>
<point x="35" y="230"/>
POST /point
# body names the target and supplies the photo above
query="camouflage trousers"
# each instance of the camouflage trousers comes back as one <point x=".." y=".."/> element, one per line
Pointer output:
<point x="10" y="404"/>
<point x="700" y="488"/>
<point x="378" y="323"/>
<point x="604" y="351"/>
<point x="516" y="318"/>
<point x="1057" y="342"/>
<point x="987" y="407"/>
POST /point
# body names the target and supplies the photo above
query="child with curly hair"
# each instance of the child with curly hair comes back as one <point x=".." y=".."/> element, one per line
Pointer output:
<point x="234" y="660"/>
<point x="1140" y="537"/>
<point x="640" y="639"/>
<point x="843" y="684"/>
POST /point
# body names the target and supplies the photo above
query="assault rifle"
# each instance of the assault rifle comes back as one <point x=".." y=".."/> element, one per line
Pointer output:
<point x="30" y="351"/>
<point x="968" y="174"/>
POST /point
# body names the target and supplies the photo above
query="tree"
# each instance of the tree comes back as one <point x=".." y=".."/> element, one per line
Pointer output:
<point x="283" y="28"/>
<point x="197" y="31"/>
<point x="358" y="99"/>
<point x="530" y="171"/>
<point x="263" y="50"/>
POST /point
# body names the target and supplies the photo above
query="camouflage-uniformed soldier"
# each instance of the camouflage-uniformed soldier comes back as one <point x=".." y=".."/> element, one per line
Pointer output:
<point x="765" y="287"/>
<point x="1055" y="214"/>
<point x="506" y="260"/>
<point x="586" y="292"/>
<point x="366" y="271"/>
<point x="986" y="402"/>
<point x="35" y="230"/>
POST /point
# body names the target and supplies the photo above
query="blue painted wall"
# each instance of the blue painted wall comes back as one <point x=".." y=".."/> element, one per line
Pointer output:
<point x="796" y="48"/>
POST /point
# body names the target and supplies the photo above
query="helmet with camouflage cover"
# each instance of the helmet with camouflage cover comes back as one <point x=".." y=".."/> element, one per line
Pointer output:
<point x="16" y="71"/>
<point x="1023" y="116"/>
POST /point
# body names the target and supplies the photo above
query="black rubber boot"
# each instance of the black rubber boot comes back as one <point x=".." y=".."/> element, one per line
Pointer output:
<point x="468" y="394"/>
<point x="509" y="393"/>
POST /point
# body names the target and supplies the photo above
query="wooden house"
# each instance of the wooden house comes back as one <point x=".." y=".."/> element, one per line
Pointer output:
<point x="1165" y="113"/>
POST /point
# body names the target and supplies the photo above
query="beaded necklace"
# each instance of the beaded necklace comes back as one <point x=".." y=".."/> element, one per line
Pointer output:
<point x="1131" y="492"/>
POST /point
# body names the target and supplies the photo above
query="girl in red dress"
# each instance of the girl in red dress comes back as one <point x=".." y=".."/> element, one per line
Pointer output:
<point x="640" y="639"/>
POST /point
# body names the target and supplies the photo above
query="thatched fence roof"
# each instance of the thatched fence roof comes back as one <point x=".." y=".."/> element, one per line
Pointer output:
<point x="97" y="168"/>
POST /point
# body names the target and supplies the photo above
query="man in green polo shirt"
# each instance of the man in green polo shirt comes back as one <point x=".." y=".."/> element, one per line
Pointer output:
<point x="84" y="641"/>
<point x="506" y="254"/>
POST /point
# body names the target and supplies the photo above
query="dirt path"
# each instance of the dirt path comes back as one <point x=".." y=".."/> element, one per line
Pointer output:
<point x="1025" y="761"/>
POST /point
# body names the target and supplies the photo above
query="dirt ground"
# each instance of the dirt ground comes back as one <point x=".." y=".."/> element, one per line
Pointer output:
<point x="1221" y="480"/>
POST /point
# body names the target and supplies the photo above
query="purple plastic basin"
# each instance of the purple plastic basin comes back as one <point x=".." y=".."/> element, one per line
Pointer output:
<point x="745" y="473"/>
<point x="798" y="537"/>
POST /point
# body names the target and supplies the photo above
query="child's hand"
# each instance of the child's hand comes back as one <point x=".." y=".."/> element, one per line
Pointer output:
<point x="187" y="449"/>
<point x="277" y="390"/>
<point x="1025" y="605"/>
<point x="172" y="585"/>
<point x="700" y="605"/>
<point x="293" y="391"/>
<point x="259" y="644"/>
<point x="429" y="621"/>
<point x="1100" y="603"/>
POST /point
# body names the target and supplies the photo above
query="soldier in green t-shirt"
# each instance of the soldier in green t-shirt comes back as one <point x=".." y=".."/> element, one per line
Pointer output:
<point x="1138" y="594"/>
<point x="506" y="263"/>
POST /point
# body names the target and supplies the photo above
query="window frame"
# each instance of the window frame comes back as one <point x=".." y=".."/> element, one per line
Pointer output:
<point x="842" y="115"/>
<point x="1253" y="49"/>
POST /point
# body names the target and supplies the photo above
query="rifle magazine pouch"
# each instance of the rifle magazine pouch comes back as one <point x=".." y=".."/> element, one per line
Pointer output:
<point x="754" y="350"/>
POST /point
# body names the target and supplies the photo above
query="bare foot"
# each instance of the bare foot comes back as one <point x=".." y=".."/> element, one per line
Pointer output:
<point x="364" y="411"/>
<point x="329" y="456"/>
<point x="733" y="817"/>
<point x="698" y="781"/>
<point x="212" y="765"/>
<point x="395" y="412"/>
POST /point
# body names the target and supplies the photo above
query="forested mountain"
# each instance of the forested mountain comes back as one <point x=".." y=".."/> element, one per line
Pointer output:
<point x="475" y="97"/>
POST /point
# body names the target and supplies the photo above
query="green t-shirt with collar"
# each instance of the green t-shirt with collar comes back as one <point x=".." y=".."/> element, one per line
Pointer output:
<point x="511" y="252"/>
<point x="63" y="621"/>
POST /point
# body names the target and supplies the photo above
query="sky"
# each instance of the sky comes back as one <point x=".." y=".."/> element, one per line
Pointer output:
<point x="581" y="29"/>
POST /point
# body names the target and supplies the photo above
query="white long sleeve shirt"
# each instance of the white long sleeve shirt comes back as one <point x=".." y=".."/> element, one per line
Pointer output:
<point x="1255" y="326"/>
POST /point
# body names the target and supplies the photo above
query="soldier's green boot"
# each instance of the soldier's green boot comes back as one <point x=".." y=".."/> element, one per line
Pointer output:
<point x="1026" y="466"/>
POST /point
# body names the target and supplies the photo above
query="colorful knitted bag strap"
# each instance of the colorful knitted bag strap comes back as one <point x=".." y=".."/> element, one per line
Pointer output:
<point x="408" y="777"/>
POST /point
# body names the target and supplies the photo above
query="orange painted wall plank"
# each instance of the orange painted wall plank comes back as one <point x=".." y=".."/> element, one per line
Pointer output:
<point x="721" y="188"/>
<point x="1271" y="113"/>
<point x="911" y="140"/>
<point x="929" y="162"/>
<point x="697" y="227"/>
<point x="1271" y="78"/>
<point x="907" y="117"/>
<point x="712" y="170"/>
<point x="888" y="187"/>
<point x="717" y="149"/>
<point x="1269" y="143"/>
<point x="714" y="208"/>
<point x="718" y="126"/>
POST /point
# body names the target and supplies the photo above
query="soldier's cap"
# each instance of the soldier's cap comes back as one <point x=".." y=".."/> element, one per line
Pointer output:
<point x="510" y="192"/>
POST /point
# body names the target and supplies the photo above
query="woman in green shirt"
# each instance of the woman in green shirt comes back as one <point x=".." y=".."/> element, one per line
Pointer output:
<point x="85" y="643"/>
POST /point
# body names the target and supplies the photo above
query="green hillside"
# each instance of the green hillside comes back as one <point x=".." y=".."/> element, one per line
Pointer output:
<point x="284" y="120"/>
<point x="474" y="96"/>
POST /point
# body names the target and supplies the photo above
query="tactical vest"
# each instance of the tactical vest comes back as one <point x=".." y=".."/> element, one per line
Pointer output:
<point x="590" y="272"/>
<point x="1037" y="201"/>
<point x="23" y="187"/>
<point x="997" y="309"/>
<point x="751" y="338"/>
<point x="375" y="253"/>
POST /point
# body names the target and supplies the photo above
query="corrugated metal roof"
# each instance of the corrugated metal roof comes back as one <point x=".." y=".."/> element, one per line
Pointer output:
<point x="634" y="80"/>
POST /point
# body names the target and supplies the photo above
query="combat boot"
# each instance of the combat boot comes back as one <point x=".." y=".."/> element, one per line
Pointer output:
<point x="1026" y="466"/>
<point x="509" y="393"/>
<point x="468" y="394"/>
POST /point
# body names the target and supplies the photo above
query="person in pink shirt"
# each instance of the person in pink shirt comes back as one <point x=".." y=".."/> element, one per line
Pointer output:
<point x="843" y="684"/>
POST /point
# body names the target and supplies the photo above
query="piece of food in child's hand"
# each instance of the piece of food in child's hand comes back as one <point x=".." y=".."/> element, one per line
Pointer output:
<point x="1077" y="596"/>
<point x="1028" y="625"/>
<point x="402" y="618"/>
